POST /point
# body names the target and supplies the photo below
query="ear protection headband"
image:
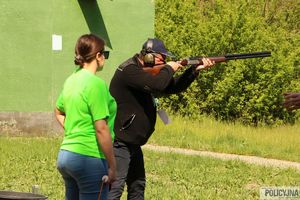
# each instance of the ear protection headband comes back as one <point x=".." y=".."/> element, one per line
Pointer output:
<point x="148" y="54"/>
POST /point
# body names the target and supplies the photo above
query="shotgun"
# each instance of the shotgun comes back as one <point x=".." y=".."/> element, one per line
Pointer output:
<point x="197" y="60"/>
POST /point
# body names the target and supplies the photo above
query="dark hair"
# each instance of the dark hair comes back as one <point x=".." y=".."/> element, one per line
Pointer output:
<point x="87" y="47"/>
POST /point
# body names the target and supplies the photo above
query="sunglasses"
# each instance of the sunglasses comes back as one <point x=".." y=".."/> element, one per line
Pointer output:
<point x="106" y="54"/>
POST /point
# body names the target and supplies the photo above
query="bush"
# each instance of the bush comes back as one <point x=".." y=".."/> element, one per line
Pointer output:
<point x="245" y="90"/>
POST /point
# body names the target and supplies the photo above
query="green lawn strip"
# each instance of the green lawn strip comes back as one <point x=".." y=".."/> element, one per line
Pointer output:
<point x="174" y="176"/>
<point x="281" y="142"/>
<point x="27" y="161"/>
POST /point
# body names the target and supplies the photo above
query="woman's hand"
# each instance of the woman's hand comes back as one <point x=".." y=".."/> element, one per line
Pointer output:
<point x="111" y="175"/>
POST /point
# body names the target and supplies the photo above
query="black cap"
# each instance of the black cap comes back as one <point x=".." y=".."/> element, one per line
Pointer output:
<point x="156" y="46"/>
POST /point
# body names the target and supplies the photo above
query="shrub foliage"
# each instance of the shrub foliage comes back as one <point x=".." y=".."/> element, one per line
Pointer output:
<point x="245" y="90"/>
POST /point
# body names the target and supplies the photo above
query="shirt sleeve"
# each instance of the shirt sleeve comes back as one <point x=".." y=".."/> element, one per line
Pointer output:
<point x="137" y="78"/>
<point x="183" y="81"/>
<point x="60" y="103"/>
<point x="97" y="98"/>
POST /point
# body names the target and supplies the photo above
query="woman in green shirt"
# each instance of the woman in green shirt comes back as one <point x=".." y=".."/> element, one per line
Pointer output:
<point x="86" y="111"/>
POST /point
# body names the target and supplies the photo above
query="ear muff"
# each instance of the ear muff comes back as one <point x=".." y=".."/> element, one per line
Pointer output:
<point x="148" y="56"/>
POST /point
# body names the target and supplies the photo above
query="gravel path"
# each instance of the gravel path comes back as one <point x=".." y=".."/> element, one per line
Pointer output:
<point x="226" y="156"/>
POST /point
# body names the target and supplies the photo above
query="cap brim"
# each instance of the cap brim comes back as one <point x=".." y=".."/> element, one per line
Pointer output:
<point x="168" y="54"/>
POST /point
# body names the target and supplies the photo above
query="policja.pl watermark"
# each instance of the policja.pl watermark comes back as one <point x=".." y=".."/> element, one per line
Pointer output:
<point x="279" y="193"/>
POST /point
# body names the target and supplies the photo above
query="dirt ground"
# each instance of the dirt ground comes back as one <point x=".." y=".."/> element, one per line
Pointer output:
<point x="224" y="156"/>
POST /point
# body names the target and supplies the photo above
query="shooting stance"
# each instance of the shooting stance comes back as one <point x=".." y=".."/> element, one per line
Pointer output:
<point x="134" y="86"/>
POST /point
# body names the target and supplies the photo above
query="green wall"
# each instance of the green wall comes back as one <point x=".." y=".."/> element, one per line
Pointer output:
<point x="32" y="74"/>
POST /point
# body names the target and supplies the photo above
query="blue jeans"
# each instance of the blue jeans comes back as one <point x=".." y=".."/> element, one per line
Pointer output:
<point x="82" y="175"/>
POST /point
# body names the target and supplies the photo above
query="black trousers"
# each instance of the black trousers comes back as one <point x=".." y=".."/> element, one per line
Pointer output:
<point x="130" y="170"/>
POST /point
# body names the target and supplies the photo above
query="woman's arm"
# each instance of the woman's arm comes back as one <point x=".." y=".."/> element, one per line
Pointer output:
<point x="60" y="117"/>
<point x="105" y="141"/>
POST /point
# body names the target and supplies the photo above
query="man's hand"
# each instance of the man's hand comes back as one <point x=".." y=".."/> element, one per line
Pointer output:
<point x="291" y="101"/>
<point x="175" y="65"/>
<point x="207" y="63"/>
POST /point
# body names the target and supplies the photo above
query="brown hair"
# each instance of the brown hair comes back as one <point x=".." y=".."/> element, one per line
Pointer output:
<point x="87" y="47"/>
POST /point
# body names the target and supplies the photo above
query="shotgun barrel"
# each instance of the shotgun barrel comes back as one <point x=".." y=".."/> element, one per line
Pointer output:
<point x="198" y="59"/>
<point x="247" y="55"/>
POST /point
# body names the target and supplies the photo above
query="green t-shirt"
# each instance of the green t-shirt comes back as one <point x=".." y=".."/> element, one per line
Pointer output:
<point x="84" y="99"/>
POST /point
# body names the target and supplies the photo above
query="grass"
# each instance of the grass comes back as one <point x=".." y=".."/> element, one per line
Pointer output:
<point x="207" y="134"/>
<point x="173" y="176"/>
<point x="26" y="161"/>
